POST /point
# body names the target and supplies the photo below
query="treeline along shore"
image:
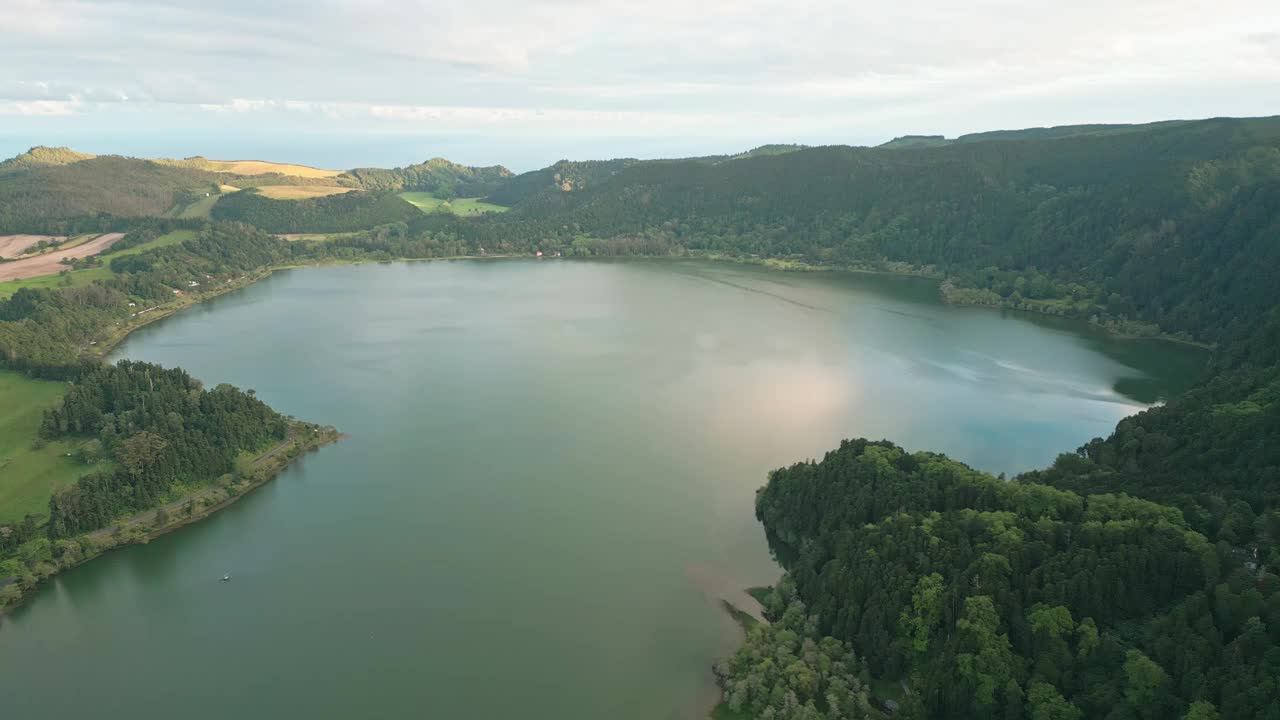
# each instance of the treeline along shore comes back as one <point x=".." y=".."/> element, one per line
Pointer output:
<point x="1133" y="579"/>
<point x="164" y="449"/>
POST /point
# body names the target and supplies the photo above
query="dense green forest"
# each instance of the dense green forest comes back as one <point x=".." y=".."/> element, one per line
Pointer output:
<point x="335" y="213"/>
<point x="564" y="176"/>
<point x="441" y="178"/>
<point x="148" y="429"/>
<point x="1099" y="225"/>
<point x="161" y="427"/>
<point x="1213" y="452"/>
<point x="568" y="176"/>
<point x="1043" y="133"/>
<point x="1133" y="578"/>
<point x="1017" y="599"/>
<point x="785" y="670"/>
<point x="33" y="198"/>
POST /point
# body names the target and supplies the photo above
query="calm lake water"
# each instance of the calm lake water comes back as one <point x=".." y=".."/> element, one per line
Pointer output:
<point x="547" y="485"/>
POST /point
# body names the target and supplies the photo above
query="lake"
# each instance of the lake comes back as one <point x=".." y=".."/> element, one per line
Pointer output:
<point x="547" y="485"/>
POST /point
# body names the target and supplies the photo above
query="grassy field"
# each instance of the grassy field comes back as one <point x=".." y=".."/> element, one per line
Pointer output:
<point x="253" y="167"/>
<point x="426" y="202"/>
<point x="198" y="209"/>
<point x="172" y="238"/>
<point x="300" y="192"/>
<point x="29" y="476"/>
<point x="78" y="278"/>
<point x="88" y="275"/>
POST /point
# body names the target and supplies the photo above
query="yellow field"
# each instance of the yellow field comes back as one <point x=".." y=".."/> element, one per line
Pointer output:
<point x="300" y="192"/>
<point x="255" y="167"/>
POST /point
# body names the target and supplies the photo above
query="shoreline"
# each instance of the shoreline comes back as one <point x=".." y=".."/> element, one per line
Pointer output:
<point x="743" y="620"/>
<point x="949" y="293"/>
<point x="143" y="527"/>
<point x="102" y="348"/>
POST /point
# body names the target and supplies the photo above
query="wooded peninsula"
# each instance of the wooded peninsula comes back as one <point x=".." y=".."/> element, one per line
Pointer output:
<point x="1135" y="577"/>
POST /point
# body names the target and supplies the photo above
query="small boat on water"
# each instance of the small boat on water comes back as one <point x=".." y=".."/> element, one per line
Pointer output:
<point x="226" y="578"/>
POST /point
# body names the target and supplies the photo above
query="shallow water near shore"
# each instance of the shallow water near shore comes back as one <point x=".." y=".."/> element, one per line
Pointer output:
<point x="547" y="483"/>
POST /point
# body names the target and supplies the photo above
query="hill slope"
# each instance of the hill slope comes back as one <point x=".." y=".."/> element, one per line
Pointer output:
<point x="42" y="156"/>
<point x="442" y="178"/>
<point x="1096" y="224"/>
<point x="35" y="199"/>
<point x="251" y="167"/>
<point x="335" y="213"/>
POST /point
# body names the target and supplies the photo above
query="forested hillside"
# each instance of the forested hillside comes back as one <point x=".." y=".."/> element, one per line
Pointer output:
<point x="336" y="213"/>
<point x="59" y="191"/>
<point x="1098" y="225"/>
<point x="161" y="427"/>
<point x="42" y="156"/>
<point x="567" y="176"/>
<point x="1213" y="452"/>
<point x="1134" y="578"/>
<point x="1015" y="599"/>
<point x="563" y="177"/>
<point x="37" y="198"/>
<point x="441" y="178"/>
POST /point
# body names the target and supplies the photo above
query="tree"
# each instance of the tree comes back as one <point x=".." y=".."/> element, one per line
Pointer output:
<point x="988" y="662"/>
<point x="1145" y="684"/>
<point x="1201" y="710"/>
<point x="1047" y="703"/>
<point x="1013" y="697"/>
<point x="139" y="452"/>
<point x="918" y="621"/>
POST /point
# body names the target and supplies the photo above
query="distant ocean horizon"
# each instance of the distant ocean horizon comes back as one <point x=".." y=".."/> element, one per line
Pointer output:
<point x="345" y="151"/>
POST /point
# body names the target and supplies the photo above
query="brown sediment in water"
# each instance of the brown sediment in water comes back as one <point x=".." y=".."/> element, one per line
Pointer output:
<point x="721" y="590"/>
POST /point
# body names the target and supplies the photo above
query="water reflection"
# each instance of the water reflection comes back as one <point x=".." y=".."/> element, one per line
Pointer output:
<point x="550" y="479"/>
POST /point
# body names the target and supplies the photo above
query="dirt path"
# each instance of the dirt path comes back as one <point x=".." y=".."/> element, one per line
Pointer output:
<point x="50" y="263"/>
<point x="11" y="246"/>
<point x="178" y="504"/>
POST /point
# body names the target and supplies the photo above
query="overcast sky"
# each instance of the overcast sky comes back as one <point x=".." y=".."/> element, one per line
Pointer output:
<point x="333" y="80"/>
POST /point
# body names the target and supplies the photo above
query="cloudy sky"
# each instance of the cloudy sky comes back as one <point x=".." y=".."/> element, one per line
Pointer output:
<point x="527" y="81"/>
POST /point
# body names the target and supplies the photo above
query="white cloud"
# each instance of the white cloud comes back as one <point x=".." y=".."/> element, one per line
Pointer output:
<point x="714" y="66"/>
<point x="41" y="108"/>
